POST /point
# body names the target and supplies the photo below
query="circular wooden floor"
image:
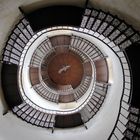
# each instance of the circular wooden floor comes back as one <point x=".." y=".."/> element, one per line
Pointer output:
<point x="65" y="69"/>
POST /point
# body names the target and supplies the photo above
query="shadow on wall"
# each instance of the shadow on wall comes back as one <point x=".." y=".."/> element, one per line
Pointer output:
<point x="134" y="58"/>
<point x="2" y="100"/>
<point x="44" y="3"/>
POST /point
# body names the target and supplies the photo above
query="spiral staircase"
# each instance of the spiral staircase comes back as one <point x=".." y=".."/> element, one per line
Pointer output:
<point x="33" y="44"/>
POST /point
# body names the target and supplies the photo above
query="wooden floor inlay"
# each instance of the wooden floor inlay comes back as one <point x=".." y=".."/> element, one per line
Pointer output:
<point x="65" y="69"/>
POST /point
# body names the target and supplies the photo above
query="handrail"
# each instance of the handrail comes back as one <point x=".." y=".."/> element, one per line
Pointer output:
<point x="76" y="30"/>
<point x="55" y="110"/>
<point x="123" y="86"/>
<point x="124" y="74"/>
<point x="44" y="32"/>
<point x="48" y="88"/>
<point x="124" y="79"/>
<point x="131" y="76"/>
<point x="79" y="31"/>
<point x="72" y="28"/>
<point x="74" y="90"/>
